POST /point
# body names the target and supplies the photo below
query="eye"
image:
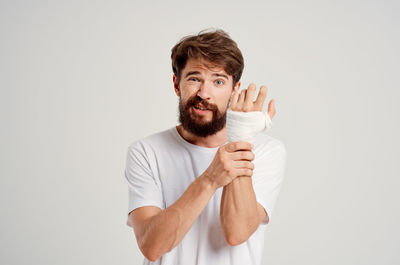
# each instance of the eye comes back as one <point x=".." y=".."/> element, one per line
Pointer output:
<point x="193" y="79"/>
<point x="219" y="82"/>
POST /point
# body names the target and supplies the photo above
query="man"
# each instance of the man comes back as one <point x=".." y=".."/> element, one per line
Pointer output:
<point x="195" y="197"/>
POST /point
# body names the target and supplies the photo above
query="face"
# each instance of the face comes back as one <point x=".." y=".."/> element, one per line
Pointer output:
<point x="204" y="92"/>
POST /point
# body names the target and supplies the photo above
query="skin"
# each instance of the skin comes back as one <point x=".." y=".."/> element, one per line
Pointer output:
<point x="240" y="213"/>
<point x="159" y="231"/>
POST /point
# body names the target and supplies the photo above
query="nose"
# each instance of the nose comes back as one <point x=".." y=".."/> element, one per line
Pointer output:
<point x="204" y="91"/>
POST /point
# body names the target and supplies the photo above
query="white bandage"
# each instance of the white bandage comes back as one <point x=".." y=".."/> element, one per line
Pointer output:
<point x="243" y="126"/>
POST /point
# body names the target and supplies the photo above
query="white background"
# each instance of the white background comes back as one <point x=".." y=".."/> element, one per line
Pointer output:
<point x="81" y="80"/>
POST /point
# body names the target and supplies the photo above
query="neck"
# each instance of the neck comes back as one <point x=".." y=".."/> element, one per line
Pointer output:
<point x="211" y="141"/>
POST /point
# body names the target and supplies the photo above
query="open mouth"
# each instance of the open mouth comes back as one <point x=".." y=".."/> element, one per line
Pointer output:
<point x="199" y="108"/>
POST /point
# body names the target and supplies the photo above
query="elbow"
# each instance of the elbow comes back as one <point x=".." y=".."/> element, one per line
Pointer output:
<point x="153" y="251"/>
<point x="149" y="254"/>
<point x="150" y="251"/>
<point x="234" y="241"/>
<point x="152" y="258"/>
<point x="237" y="235"/>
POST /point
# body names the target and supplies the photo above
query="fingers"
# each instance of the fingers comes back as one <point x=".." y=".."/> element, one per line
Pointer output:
<point x="242" y="156"/>
<point x="248" y="101"/>
<point x="244" y="168"/>
<point x="271" y="108"/>
<point x="235" y="146"/>
<point x="243" y="164"/>
<point x="241" y="98"/>
<point x="244" y="172"/>
<point x="234" y="99"/>
<point x="244" y="101"/>
<point x="262" y="95"/>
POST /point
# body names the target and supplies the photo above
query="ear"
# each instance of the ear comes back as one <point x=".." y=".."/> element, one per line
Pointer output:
<point x="176" y="86"/>
<point x="236" y="88"/>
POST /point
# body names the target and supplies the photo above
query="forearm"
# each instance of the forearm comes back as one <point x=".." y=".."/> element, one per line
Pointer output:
<point x="238" y="211"/>
<point x="165" y="230"/>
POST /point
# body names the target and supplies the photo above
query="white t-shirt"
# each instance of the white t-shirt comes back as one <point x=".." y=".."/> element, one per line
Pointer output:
<point x="160" y="167"/>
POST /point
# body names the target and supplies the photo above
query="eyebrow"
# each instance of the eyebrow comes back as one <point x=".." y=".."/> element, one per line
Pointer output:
<point x="197" y="72"/>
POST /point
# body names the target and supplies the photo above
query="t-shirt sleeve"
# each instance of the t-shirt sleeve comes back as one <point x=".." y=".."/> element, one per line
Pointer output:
<point x="268" y="176"/>
<point x="143" y="189"/>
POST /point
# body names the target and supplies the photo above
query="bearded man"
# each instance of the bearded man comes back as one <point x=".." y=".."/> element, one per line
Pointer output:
<point x="196" y="198"/>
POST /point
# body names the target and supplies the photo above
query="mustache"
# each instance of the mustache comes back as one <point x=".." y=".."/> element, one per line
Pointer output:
<point x="198" y="100"/>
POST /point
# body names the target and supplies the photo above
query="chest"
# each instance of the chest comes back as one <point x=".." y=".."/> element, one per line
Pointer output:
<point x="177" y="169"/>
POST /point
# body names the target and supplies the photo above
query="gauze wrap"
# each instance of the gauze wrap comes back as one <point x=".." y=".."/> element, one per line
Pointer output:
<point x="243" y="126"/>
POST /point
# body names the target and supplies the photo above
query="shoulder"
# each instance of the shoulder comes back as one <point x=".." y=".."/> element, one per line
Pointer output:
<point x="144" y="151"/>
<point x="153" y="142"/>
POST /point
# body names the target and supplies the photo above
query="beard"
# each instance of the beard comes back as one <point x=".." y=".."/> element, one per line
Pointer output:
<point x="192" y="122"/>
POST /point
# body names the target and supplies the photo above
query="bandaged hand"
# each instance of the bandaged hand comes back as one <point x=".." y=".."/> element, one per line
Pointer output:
<point x="245" y="118"/>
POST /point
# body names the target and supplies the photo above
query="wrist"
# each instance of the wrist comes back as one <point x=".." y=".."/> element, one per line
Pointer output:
<point x="208" y="182"/>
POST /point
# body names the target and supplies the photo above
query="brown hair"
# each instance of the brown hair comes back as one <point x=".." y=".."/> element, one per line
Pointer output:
<point x="215" y="46"/>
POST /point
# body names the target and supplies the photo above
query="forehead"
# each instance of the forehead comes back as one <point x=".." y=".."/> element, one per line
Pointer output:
<point x="203" y="66"/>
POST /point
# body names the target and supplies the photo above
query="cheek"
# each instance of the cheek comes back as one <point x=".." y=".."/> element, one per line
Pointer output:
<point x="187" y="91"/>
<point x="186" y="97"/>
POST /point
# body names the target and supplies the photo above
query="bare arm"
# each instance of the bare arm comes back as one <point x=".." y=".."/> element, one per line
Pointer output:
<point x="159" y="231"/>
<point x="240" y="213"/>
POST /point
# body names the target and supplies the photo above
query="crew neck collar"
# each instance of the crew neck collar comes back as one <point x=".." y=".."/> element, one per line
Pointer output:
<point x="190" y="145"/>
